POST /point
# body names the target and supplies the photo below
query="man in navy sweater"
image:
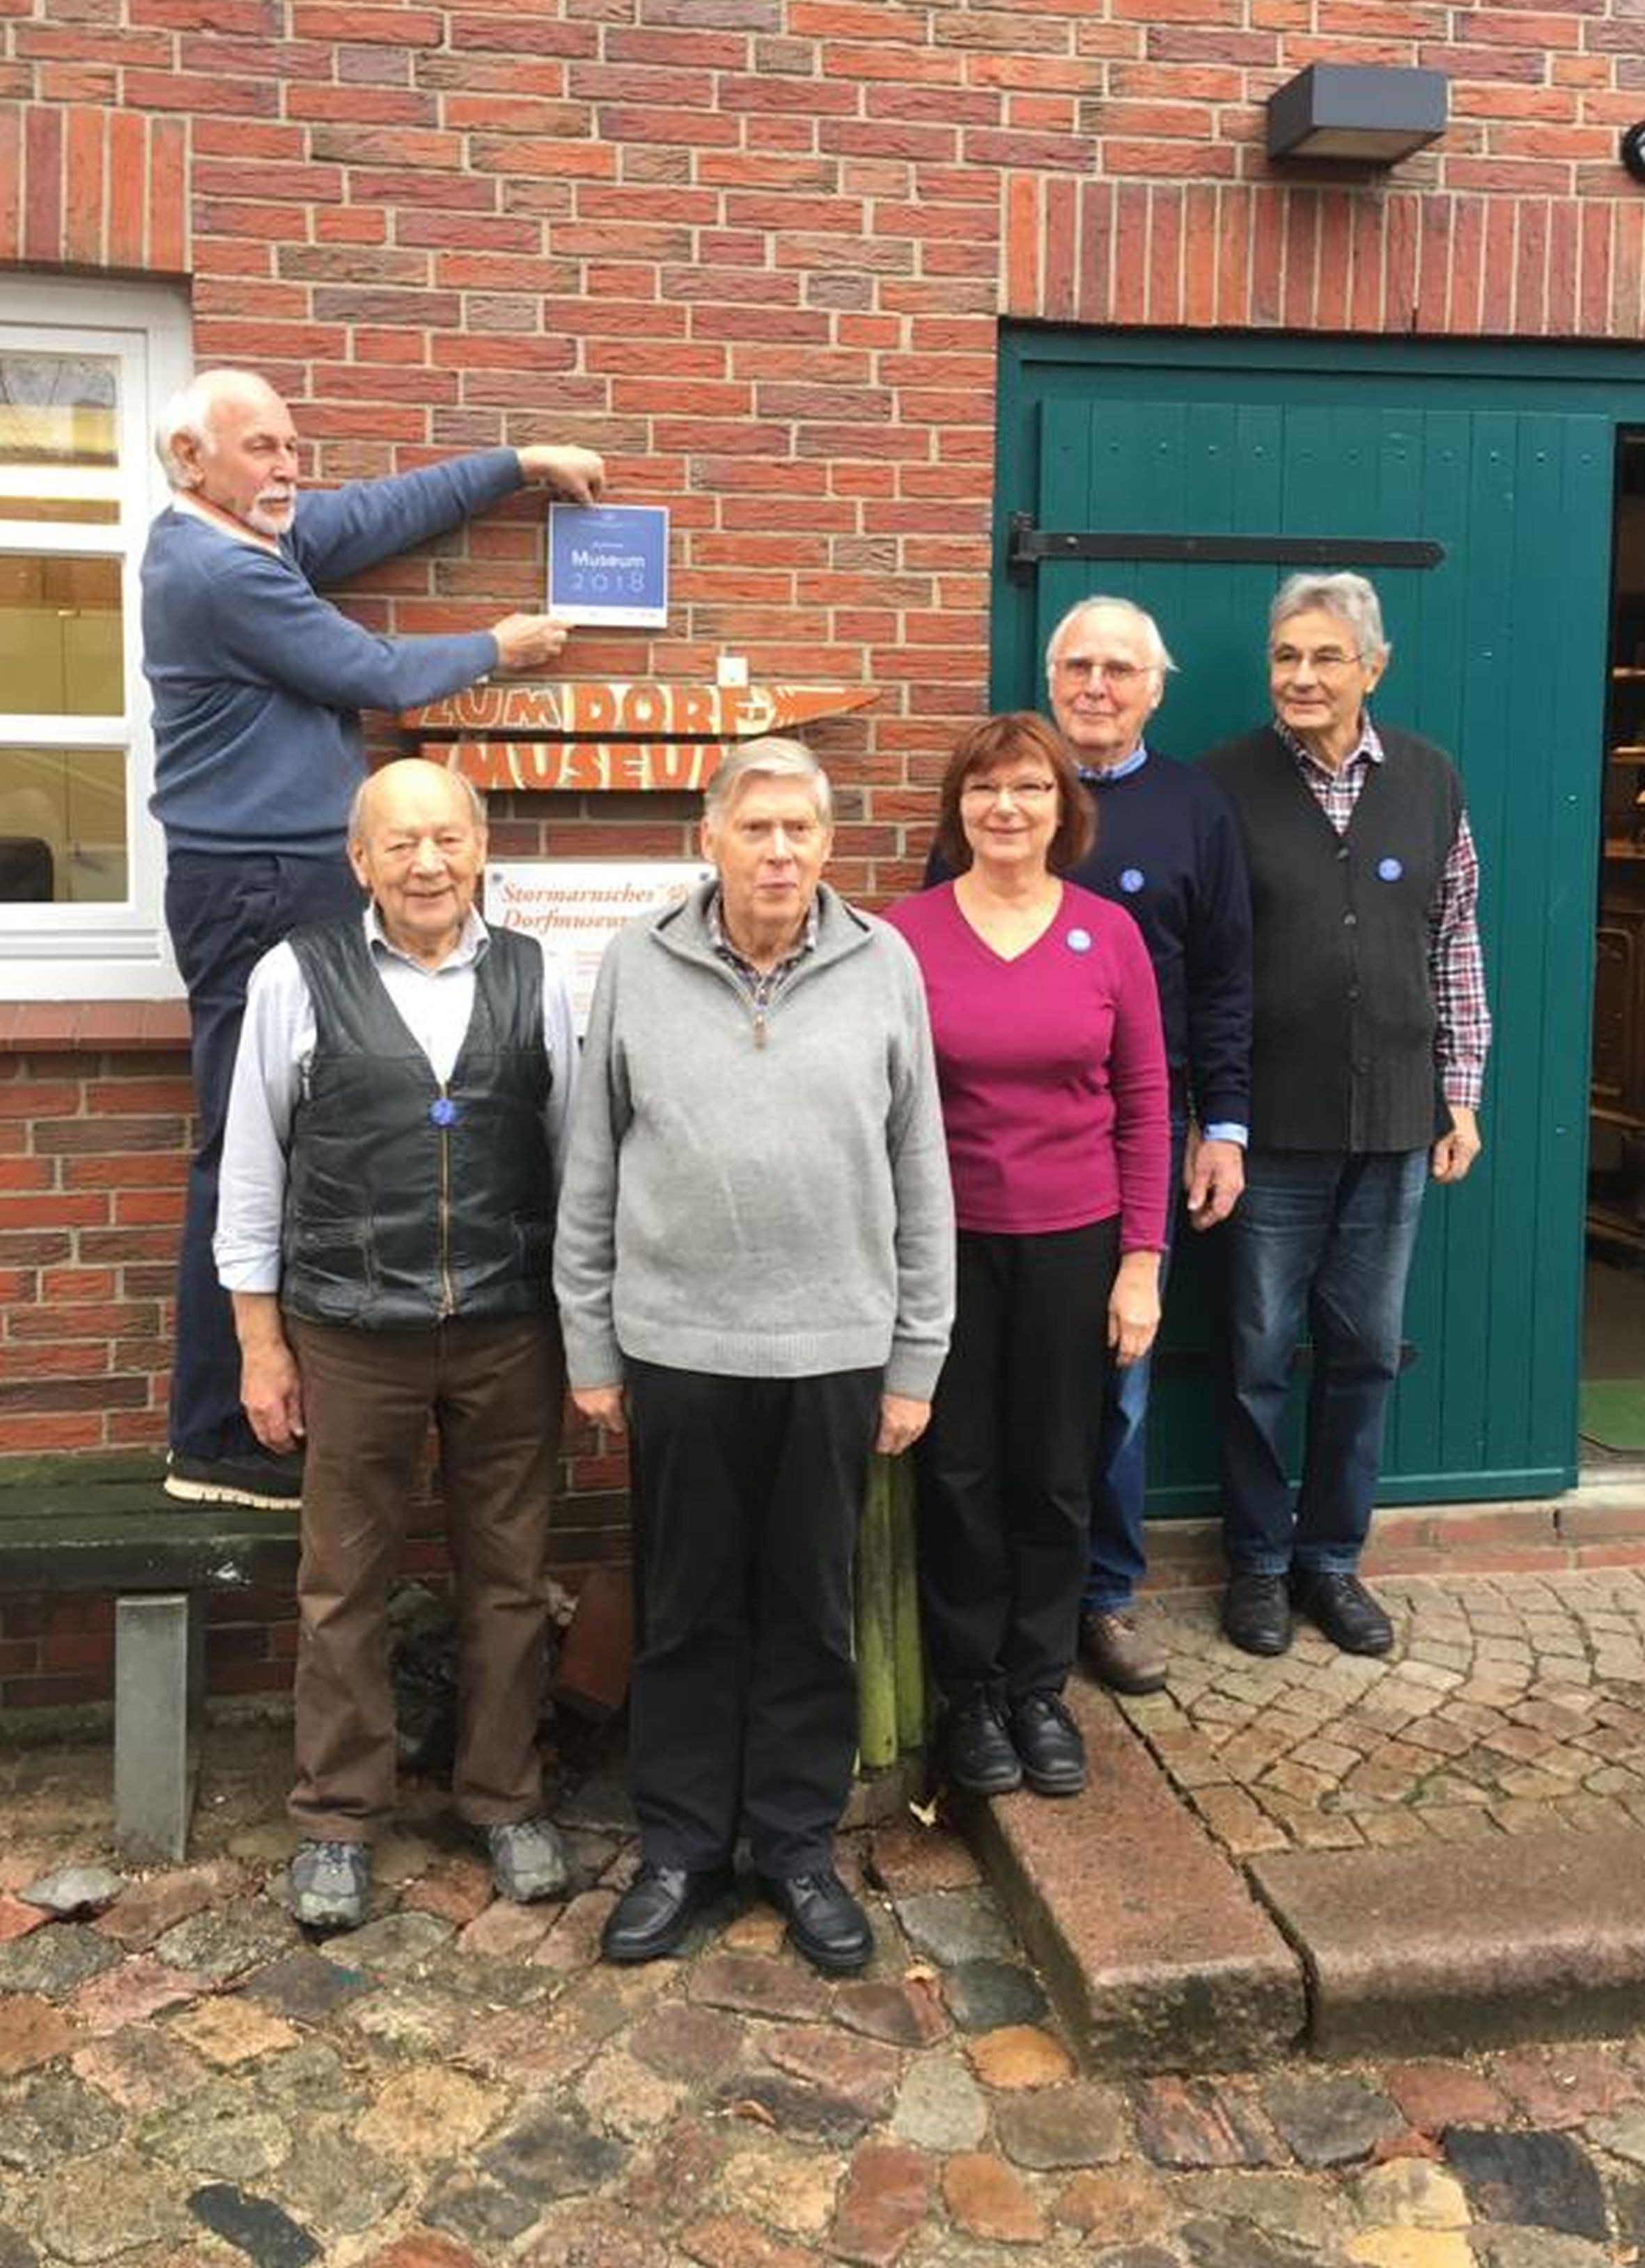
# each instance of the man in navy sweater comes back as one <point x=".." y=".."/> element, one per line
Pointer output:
<point x="257" y="684"/>
<point x="1168" y="849"/>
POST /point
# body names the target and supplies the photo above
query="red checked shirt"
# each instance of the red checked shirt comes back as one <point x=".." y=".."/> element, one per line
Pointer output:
<point x="1455" y="965"/>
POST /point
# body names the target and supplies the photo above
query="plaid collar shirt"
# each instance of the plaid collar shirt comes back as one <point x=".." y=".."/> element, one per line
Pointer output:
<point x="762" y="985"/>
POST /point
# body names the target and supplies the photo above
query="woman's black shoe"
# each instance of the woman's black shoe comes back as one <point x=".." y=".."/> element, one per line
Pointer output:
<point x="659" y="1906"/>
<point x="825" y="1922"/>
<point x="978" y="1749"/>
<point x="1050" y="1744"/>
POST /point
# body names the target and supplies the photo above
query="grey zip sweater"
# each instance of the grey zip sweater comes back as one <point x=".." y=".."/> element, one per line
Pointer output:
<point x="764" y="1200"/>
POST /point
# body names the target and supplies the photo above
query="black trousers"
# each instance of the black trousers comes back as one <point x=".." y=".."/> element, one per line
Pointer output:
<point x="747" y="1493"/>
<point x="1004" y="1468"/>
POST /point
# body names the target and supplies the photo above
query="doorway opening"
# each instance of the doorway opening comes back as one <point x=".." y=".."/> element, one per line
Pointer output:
<point x="1613" y="1319"/>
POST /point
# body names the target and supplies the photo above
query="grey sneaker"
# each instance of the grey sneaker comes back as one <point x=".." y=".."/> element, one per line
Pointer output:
<point x="327" y="1884"/>
<point x="528" y="1859"/>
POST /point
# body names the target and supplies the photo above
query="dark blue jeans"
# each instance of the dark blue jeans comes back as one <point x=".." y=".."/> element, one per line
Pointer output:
<point x="1321" y="1240"/>
<point x="1119" y="1478"/>
<point x="224" y="914"/>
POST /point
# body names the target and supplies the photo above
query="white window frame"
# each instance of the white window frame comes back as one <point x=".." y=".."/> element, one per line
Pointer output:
<point x="118" y="951"/>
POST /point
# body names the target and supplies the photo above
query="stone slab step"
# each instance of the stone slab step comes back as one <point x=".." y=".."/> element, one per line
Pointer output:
<point x="1447" y="1947"/>
<point x="1150" y="1942"/>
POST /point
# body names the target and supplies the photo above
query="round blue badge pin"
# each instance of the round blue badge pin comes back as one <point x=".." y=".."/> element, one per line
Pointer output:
<point x="1079" y="940"/>
<point x="443" y="1112"/>
<point x="1389" y="869"/>
<point x="1131" y="880"/>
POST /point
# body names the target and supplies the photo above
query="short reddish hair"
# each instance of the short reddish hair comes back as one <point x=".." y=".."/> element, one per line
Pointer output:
<point x="1006" y="739"/>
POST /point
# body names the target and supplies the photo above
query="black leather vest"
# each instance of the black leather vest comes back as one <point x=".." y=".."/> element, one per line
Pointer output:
<point x="1343" y="1022"/>
<point x="408" y="1203"/>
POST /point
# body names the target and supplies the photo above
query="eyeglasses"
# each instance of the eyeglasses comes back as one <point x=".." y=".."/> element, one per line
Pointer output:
<point x="1325" y="661"/>
<point x="1023" y="790"/>
<point x="1086" y="669"/>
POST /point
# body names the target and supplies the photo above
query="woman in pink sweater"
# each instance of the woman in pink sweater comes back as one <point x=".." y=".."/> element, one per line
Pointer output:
<point x="1052" y="1070"/>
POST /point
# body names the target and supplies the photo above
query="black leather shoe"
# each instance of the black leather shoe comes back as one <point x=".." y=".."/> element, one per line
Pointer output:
<point x="825" y="1922"/>
<point x="1257" y="1614"/>
<point x="1344" y="1610"/>
<point x="978" y="1751"/>
<point x="657" y="1908"/>
<point x="1048" y="1744"/>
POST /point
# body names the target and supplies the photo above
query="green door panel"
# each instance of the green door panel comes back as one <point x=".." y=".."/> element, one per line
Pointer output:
<point x="1505" y="457"/>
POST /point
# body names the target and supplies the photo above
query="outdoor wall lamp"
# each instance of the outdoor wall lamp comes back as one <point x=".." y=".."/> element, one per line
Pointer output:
<point x="1371" y="113"/>
<point x="1633" y="151"/>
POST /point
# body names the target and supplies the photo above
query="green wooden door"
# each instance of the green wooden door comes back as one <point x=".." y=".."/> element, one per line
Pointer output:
<point x="1504" y="458"/>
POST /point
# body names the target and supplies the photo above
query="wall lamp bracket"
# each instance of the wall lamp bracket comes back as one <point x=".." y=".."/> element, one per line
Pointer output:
<point x="1360" y="114"/>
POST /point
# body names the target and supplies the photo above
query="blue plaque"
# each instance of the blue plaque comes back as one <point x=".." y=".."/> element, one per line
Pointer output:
<point x="608" y="562"/>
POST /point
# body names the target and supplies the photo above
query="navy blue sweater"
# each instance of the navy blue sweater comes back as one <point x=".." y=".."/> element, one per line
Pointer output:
<point x="258" y="680"/>
<point x="1168" y="849"/>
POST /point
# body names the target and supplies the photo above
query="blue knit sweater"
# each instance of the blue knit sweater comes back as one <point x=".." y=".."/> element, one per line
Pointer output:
<point x="258" y="680"/>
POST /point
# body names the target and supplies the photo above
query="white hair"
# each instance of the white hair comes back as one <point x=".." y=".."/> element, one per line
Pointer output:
<point x="1349" y="597"/>
<point x="773" y="758"/>
<point x="1139" y="617"/>
<point x="189" y="413"/>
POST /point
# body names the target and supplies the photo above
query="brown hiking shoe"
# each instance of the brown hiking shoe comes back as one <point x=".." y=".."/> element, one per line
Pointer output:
<point x="1119" y="1656"/>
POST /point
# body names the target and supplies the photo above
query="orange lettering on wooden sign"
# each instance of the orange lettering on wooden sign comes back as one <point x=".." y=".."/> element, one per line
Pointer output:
<point x="537" y="766"/>
<point x="615" y="709"/>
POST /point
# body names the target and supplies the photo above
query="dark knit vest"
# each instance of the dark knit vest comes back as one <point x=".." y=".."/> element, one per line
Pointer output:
<point x="408" y="1203"/>
<point x="1343" y="1024"/>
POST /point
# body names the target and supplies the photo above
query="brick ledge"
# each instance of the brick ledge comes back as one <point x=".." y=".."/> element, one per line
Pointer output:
<point x="78" y="1026"/>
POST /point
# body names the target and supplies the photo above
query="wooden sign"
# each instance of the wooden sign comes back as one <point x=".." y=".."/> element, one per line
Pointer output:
<point x="537" y="765"/>
<point x="613" y="732"/>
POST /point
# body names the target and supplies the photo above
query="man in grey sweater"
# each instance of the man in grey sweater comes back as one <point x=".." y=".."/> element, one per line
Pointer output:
<point x="755" y="1266"/>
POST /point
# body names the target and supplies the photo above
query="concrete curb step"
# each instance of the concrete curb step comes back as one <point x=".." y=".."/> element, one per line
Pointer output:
<point x="1162" y="1953"/>
<point x="1151" y="1946"/>
<point x="1436" y="1948"/>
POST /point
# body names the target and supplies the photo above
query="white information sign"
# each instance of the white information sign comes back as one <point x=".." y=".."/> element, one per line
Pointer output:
<point x="577" y="905"/>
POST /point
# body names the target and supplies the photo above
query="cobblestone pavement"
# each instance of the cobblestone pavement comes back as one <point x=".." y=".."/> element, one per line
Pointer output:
<point x="1510" y="1703"/>
<point x="184" y="2080"/>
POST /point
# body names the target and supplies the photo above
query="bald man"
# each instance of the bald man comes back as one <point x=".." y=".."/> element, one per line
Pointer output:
<point x="390" y="1165"/>
<point x="258" y="682"/>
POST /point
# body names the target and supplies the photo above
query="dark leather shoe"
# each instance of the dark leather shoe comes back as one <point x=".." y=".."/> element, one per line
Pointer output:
<point x="979" y="1753"/>
<point x="657" y="1908"/>
<point x="1257" y="1614"/>
<point x="1344" y="1610"/>
<point x="825" y="1922"/>
<point x="1048" y="1744"/>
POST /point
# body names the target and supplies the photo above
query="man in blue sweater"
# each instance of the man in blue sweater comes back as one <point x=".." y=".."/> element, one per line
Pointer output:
<point x="1168" y="849"/>
<point x="257" y="684"/>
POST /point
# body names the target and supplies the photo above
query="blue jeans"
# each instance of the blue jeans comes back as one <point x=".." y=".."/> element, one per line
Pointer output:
<point x="1119" y="1478"/>
<point x="1322" y="1239"/>
<point x="224" y="913"/>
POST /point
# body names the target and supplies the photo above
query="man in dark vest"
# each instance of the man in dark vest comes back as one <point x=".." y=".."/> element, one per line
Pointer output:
<point x="1370" y="1036"/>
<point x="385" y="1230"/>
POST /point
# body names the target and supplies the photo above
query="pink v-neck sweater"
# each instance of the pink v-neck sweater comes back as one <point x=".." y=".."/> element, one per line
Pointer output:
<point x="1051" y="1068"/>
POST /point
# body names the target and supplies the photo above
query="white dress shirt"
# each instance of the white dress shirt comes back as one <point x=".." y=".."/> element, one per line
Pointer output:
<point x="276" y="1046"/>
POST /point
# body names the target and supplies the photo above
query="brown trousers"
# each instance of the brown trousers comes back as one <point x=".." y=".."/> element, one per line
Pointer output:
<point x="493" y="1389"/>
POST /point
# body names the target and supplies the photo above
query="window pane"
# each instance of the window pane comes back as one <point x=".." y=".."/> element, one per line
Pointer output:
<point x="87" y="511"/>
<point x="58" y="409"/>
<point x="59" y="635"/>
<point x="63" y="825"/>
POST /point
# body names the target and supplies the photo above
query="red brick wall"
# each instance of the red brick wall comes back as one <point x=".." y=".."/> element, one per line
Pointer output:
<point x="758" y="252"/>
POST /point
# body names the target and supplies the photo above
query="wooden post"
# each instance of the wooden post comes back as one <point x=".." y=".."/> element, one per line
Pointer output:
<point x="910" y="1651"/>
<point x="877" y="1711"/>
